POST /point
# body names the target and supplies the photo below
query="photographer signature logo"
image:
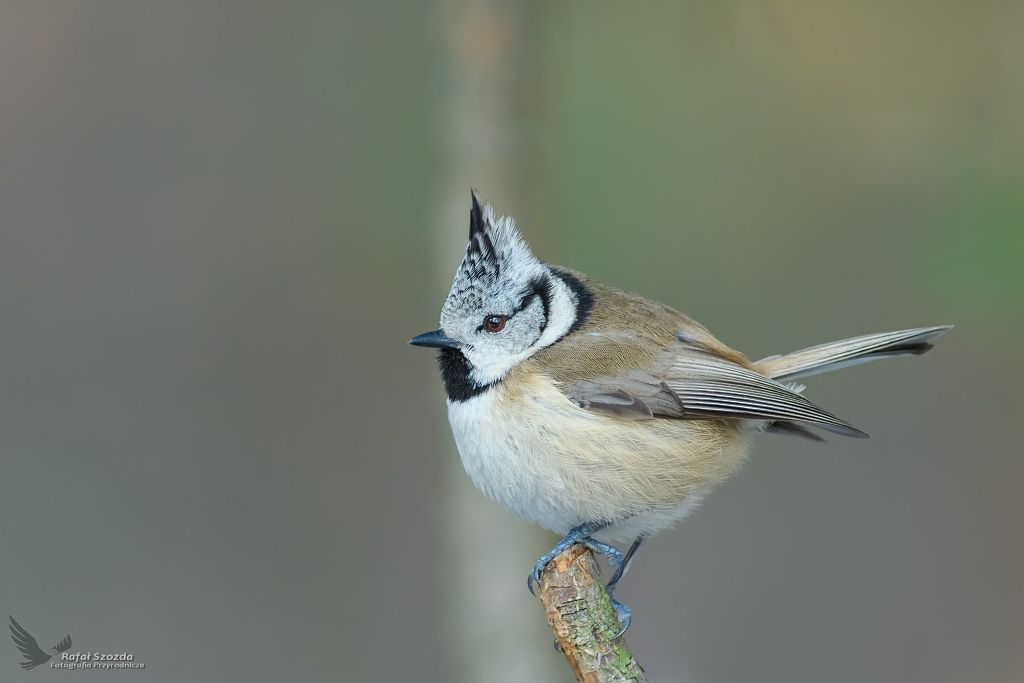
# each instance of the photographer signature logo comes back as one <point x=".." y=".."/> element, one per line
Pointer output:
<point x="34" y="655"/>
<point x="30" y="648"/>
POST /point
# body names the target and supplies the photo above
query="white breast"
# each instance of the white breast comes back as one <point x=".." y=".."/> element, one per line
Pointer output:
<point x="507" y="466"/>
<point x="529" y="448"/>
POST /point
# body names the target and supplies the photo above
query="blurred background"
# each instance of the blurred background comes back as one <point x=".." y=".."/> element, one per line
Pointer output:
<point x="220" y="223"/>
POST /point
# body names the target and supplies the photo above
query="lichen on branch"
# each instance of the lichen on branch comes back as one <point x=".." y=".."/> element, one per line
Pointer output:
<point x="580" y="613"/>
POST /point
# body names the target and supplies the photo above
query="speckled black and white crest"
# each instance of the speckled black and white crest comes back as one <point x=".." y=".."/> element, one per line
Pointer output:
<point x="496" y="265"/>
<point x="499" y="278"/>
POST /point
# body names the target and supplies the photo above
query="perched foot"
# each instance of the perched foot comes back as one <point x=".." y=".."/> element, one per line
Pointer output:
<point x="534" y="576"/>
<point x="622" y="612"/>
<point x="580" y="534"/>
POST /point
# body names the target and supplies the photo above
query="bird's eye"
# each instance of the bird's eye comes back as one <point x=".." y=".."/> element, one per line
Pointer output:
<point x="494" y="323"/>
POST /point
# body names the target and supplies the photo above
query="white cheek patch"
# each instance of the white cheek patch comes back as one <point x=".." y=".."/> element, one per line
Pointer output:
<point x="561" y="315"/>
<point x="491" y="365"/>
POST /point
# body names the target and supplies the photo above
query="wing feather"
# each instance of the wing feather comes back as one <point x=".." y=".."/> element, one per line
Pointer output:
<point x="631" y="395"/>
<point x="713" y="387"/>
<point x="637" y="359"/>
<point x="697" y="384"/>
<point x="842" y="354"/>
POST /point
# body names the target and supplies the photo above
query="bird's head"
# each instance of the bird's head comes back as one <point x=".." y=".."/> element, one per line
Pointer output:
<point x="504" y="305"/>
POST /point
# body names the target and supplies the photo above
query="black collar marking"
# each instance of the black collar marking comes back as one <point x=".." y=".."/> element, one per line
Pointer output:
<point x="584" y="297"/>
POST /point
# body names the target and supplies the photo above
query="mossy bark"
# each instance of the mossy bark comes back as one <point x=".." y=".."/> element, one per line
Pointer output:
<point x="580" y="613"/>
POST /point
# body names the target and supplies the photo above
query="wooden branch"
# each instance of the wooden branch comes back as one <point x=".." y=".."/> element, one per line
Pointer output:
<point x="580" y="613"/>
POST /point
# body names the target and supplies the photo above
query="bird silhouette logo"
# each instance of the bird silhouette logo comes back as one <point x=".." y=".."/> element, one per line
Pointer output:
<point x="30" y="648"/>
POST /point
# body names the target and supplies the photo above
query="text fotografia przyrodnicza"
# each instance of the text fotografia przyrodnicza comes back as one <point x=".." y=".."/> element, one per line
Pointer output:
<point x="97" y="660"/>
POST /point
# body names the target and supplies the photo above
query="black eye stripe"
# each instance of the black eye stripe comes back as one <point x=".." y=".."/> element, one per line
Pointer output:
<point x="525" y="301"/>
<point x="539" y="287"/>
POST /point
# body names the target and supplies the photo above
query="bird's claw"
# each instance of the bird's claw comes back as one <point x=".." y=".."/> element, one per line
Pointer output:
<point x="578" y="534"/>
<point x="623" y="615"/>
<point x="534" y="576"/>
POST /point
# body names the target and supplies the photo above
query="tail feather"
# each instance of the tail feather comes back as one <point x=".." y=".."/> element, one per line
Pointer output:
<point x="841" y="354"/>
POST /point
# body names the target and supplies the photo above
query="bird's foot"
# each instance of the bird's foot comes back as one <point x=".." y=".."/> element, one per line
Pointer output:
<point x="580" y="534"/>
<point x="622" y="612"/>
<point x="534" y="576"/>
<point x="573" y="536"/>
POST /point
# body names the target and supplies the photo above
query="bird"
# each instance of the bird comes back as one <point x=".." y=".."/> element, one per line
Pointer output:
<point x="602" y="415"/>
<point x="28" y="646"/>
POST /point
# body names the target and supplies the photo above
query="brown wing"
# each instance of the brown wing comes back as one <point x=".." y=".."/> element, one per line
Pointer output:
<point x="638" y="359"/>
<point x="625" y="332"/>
<point x="636" y="396"/>
<point x="709" y="386"/>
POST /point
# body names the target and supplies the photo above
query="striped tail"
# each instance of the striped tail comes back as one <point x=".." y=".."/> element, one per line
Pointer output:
<point x="841" y="354"/>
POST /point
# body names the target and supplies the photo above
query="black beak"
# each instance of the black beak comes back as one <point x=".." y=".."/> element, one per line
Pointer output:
<point x="434" y="340"/>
